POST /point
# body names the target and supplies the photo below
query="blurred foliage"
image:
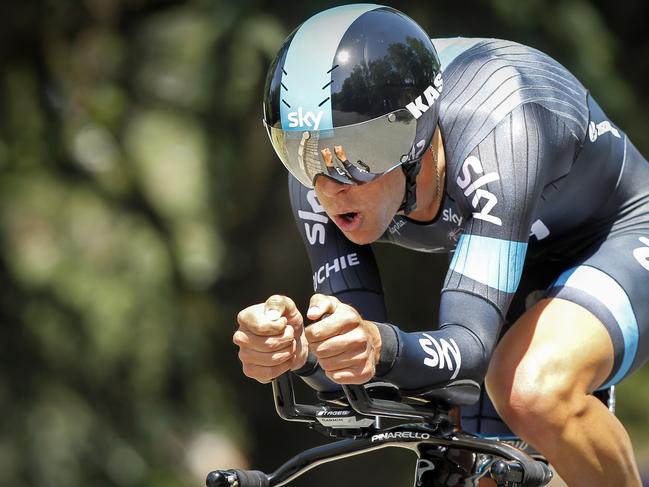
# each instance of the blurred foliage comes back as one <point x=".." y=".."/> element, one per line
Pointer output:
<point x="141" y="207"/>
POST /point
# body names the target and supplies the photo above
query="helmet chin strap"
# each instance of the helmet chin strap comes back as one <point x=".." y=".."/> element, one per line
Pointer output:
<point x="411" y="171"/>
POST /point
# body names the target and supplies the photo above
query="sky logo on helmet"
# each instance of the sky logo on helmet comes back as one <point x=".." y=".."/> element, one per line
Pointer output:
<point x="418" y="107"/>
<point x="303" y="119"/>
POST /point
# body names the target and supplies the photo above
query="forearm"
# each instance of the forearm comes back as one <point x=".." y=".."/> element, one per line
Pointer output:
<point x="456" y="351"/>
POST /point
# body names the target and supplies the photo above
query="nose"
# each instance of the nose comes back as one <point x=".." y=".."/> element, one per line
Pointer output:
<point x="330" y="187"/>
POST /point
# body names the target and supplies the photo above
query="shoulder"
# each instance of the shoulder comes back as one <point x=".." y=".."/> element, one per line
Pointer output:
<point x="492" y="77"/>
<point x="487" y="79"/>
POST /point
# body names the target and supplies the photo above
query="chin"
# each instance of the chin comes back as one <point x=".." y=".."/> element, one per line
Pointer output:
<point x="363" y="238"/>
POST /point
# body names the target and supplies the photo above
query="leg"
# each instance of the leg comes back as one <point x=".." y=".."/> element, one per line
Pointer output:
<point x="540" y="380"/>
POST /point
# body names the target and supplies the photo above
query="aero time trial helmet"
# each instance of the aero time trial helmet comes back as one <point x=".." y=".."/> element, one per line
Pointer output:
<point x="364" y="77"/>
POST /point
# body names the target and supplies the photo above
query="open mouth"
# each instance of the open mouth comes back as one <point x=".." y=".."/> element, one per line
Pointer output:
<point x="348" y="221"/>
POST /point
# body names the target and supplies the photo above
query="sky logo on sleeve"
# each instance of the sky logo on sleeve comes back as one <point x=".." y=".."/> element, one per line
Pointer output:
<point x="441" y="353"/>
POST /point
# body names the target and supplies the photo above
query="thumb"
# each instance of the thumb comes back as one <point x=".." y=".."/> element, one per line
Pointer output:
<point x="321" y="305"/>
<point x="278" y="306"/>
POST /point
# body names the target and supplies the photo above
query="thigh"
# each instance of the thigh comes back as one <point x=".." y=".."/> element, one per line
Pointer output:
<point x="556" y="344"/>
<point x="594" y="317"/>
<point x="612" y="284"/>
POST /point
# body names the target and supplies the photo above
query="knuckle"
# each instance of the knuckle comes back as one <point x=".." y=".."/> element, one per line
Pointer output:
<point x="313" y="333"/>
<point x="243" y="356"/>
<point x="326" y="364"/>
<point x="264" y="374"/>
<point x="320" y="349"/>
<point x="273" y="344"/>
<point x="263" y="329"/>
<point x="352" y="316"/>
<point x="368" y="372"/>
<point x="361" y="358"/>
<point x="243" y="317"/>
<point x="248" y="371"/>
<point x="239" y="338"/>
<point x="275" y="299"/>
<point x="279" y="357"/>
<point x="359" y="340"/>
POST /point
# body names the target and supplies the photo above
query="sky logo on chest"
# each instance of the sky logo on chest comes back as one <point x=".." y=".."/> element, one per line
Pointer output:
<point x="450" y="216"/>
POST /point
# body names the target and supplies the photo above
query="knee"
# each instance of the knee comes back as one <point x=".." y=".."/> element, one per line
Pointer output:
<point x="536" y="396"/>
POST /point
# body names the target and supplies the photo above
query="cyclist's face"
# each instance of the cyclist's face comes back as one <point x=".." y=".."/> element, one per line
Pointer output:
<point x="362" y="212"/>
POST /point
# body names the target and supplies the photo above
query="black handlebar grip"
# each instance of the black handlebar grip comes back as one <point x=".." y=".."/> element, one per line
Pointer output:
<point x="537" y="474"/>
<point x="252" y="478"/>
<point x="245" y="478"/>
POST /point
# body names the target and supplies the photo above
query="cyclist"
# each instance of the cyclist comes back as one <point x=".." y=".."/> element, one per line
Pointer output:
<point x="491" y="151"/>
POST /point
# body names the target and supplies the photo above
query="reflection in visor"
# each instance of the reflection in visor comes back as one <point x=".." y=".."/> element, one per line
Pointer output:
<point x="367" y="150"/>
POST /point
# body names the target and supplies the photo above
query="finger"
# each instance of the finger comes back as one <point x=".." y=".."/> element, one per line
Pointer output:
<point x="245" y="339"/>
<point x="282" y="306"/>
<point x="356" y="357"/>
<point x="266" y="359"/>
<point x="342" y="321"/>
<point x="352" y="375"/>
<point x="355" y="339"/>
<point x="320" y="305"/>
<point x="265" y="374"/>
<point x="253" y="319"/>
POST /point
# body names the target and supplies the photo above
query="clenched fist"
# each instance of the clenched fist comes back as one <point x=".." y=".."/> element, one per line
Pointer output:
<point x="271" y="339"/>
<point x="347" y="346"/>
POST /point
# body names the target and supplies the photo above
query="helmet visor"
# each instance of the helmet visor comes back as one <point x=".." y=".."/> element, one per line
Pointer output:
<point x="351" y="154"/>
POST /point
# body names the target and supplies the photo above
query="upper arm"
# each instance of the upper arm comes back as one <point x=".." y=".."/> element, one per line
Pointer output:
<point x="499" y="185"/>
<point x="339" y="267"/>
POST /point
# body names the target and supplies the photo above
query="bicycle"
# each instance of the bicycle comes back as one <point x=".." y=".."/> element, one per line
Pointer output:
<point x="447" y="455"/>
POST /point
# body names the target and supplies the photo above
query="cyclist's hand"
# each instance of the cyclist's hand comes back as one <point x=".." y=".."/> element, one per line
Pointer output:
<point x="271" y="339"/>
<point x="347" y="346"/>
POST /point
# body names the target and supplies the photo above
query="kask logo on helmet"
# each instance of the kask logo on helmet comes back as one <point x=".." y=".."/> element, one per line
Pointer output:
<point x="418" y="107"/>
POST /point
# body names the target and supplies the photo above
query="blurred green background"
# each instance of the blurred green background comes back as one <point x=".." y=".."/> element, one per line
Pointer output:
<point x="141" y="207"/>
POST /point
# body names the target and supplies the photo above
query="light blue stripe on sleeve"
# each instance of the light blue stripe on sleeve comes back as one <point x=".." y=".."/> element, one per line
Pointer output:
<point x="308" y="60"/>
<point x="492" y="261"/>
<point x="607" y="291"/>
